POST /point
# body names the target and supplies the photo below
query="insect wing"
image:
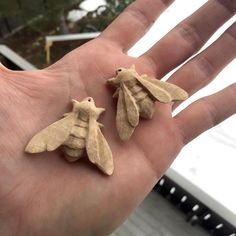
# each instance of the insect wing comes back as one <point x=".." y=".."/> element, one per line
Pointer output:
<point x="131" y="107"/>
<point x="52" y="136"/>
<point x="98" y="150"/>
<point x="163" y="91"/>
<point x="123" y="126"/>
<point x="156" y="91"/>
<point x="91" y="141"/>
<point x="106" y="160"/>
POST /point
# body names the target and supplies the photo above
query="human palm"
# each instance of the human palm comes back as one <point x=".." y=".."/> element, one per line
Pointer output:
<point x="42" y="194"/>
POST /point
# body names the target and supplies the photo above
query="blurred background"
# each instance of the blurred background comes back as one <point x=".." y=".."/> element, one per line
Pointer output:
<point x="192" y="198"/>
<point x="24" y="24"/>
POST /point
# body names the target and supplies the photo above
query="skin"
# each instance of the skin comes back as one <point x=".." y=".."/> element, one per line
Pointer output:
<point x="43" y="194"/>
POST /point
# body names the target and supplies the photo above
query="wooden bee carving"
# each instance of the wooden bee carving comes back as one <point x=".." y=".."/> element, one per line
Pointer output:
<point x="136" y="96"/>
<point x="76" y="132"/>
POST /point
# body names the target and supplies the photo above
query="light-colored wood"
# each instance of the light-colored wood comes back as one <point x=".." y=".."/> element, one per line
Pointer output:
<point x="136" y="97"/>
<point x="133" y="110"/>
<point x="122" y="124"/>
<point x="76" y="131"/>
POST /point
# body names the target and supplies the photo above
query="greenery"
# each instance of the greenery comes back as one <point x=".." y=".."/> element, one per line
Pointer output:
<point x="98" y="20"/>
<point x="57" y="9"/>
<point x="28" y="9"/>
<point x="39" y="18"/>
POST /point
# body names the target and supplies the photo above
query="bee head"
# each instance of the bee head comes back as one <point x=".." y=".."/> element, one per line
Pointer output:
<point x="87" y="108"/>
<point x="85" y="105"/>
<point x="119" y="70"/>
<point x="123" y="74"/>
<point x="88" y="100"/>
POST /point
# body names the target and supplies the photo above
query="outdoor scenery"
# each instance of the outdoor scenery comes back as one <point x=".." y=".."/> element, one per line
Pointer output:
<point x="24" y="24"/>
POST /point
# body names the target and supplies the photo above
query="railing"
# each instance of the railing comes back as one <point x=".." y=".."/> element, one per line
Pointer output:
<point x="196" y="210"/>
<point x="14" y="61"/>
<point x="49" y="40"/>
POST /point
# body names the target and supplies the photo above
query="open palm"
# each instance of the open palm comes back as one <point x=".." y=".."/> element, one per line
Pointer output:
<point x="42" y="194"/>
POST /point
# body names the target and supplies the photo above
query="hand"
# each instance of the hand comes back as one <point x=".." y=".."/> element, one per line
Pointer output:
<point x="45" y="195"/>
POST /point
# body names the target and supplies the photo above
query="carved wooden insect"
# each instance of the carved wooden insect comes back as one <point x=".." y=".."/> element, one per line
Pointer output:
<point x="136" y="96"/>
<point x="77" y="131"/>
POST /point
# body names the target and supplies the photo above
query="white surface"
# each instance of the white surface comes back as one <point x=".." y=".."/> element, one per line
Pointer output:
<point x="202" y="195"/>
<point x="68" y="37"/>
<point x="85" y="7"/>
<point x="75" y="15"/>
<point x="209" y="161"/>
<point x="91" y="5"/>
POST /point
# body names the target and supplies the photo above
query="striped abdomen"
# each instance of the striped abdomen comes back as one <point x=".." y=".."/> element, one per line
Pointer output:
<point x="74" y="146"/>
<point x="144" y="102"/>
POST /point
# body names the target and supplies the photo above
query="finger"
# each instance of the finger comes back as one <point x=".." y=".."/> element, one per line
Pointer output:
<point x="3" y="71"/>
<point x="2" y="67"/>
<point x="206" y="113"/>
<point x="203" y="68"/>
<point x="134" y="22"/>
<point x="189" y="36"/>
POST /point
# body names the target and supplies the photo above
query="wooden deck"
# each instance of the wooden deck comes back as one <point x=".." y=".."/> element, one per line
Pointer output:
<point x="157" y="217"/>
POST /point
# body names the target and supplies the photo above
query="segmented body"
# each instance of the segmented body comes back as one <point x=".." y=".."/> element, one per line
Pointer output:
<point x="142" y="98"/>
<point x="75" y="144"/>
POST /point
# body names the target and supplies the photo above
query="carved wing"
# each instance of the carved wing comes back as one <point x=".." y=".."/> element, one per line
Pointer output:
<point x="162" y="91"/>
<point x="52" y="136"/>
<point x="124" y="127"/>
<point x="131" y="107"/>
<point x="98" y="150"/>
